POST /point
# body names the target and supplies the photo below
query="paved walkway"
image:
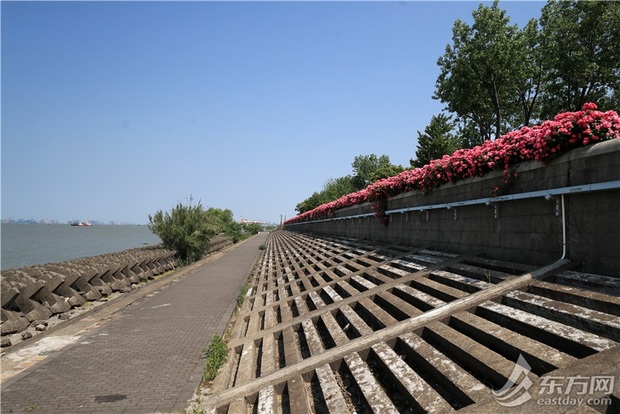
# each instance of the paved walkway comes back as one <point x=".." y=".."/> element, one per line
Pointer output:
<point x="145" y="359"/>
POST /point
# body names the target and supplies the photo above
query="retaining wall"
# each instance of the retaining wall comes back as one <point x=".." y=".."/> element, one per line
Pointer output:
<point x="525" y="230"/>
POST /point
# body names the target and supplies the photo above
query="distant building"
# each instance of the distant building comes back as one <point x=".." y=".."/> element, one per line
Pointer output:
<point x="248" y="221"/>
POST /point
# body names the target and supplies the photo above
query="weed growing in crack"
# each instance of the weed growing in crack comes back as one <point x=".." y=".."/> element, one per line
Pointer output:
<point x="215" y="356"/>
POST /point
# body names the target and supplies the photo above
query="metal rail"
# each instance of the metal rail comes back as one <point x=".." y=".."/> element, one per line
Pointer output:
<point x="547" y="194"/>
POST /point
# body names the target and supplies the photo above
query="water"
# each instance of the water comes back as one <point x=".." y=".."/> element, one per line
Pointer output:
<point x="28" y="244"/>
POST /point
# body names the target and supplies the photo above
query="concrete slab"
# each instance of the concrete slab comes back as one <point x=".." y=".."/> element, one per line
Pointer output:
<point x="386" y="328"/>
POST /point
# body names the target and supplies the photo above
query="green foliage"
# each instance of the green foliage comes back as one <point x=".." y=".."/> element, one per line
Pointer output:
<point x="335" y="188"/>
<point x="369" y="168"/>
<point x="241" y="296"/>
<point x="479" y="71"/>
<point x="529" y="79"/>
<point x="366" y="170"/>
<point x="310" y="203"/>
<point x="581" y="55"/>
<point x="496" y="77"/>
<point x="215" y="356"/>
<point x="222" y="221"/>
<point x="252" y="228"/>
<point x="183" y="229"/>
<point x="188" y="229"/>
<point x="436" y="141"/>
<point x="385" y="171"/>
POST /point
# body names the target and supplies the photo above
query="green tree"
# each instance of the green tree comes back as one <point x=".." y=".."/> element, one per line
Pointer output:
<point x="436" y="141"/>
<point x="222" y="221"/>
<point x="528" y="75"/>
<point x="581" y="55"/>
<point x="479" y="72"/>
<point x="334" y="188"/>
<point x="312" y="202"/>
<point x="369" y="168"/>
<point x="253" y="228"/>
<point x="386" y="171"/>
<point x="183" y="229"/>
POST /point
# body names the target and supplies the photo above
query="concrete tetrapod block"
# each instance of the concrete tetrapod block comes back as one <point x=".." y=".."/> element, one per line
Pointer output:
<point x="17" y="278"/>
<point x="122" y="281"/>
<point x="147" y="270"/>
<point x="32" y="309"/>
<point x="55" y="303"/>
<point x="150" y="263"/>
<point x="153" y="265"/>
<point x="112" y="283"/>
<point x="129" y="274"/>
<point x="8" y="295"/>
<point x="98" y="281"/>
<point x="83" y="286"/>
<point x="69" y="289"/>
<point x="168" y="261"/>
<point x="12" y="322"/>
<point x="66" y="289"/>
<point x="160" y="265"/>
<point x="61" y="285"/>
<point x="138" y="270"/>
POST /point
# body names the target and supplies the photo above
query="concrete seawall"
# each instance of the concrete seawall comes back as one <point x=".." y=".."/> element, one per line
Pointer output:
<point x="524" y="224"/>
<point x="35" y="293"/>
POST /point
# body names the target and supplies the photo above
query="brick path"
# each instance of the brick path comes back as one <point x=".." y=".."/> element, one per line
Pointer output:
<point x="145" y="360"/>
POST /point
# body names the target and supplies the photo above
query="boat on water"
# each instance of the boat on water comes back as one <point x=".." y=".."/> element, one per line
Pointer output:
<point x="81" y="224"/>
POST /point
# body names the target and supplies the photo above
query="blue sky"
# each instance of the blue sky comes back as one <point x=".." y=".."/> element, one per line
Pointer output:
<point x="114" y="110"/>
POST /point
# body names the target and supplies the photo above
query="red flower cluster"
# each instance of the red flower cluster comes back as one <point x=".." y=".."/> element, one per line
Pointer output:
<point x="327" y="210"/>
<point x="542" y="142"/>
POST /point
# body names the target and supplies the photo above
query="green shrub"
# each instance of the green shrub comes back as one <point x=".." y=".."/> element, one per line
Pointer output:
<point x="222" y="221"/>
<point x="184" y="229"/>
<point x="215" y="356"/>
<point x="253" y="228"/>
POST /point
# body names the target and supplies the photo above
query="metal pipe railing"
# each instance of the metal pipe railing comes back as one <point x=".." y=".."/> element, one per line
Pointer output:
<point x="547" y="194"/>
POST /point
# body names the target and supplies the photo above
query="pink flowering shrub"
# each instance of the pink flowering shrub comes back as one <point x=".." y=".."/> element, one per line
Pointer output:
<point x="542" y="142"/>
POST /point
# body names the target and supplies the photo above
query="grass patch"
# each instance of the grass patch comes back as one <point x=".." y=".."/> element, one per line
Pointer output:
<point x="261" y="247"/>
<point x="215" y="356"/>
<point x="241" y="296"/>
